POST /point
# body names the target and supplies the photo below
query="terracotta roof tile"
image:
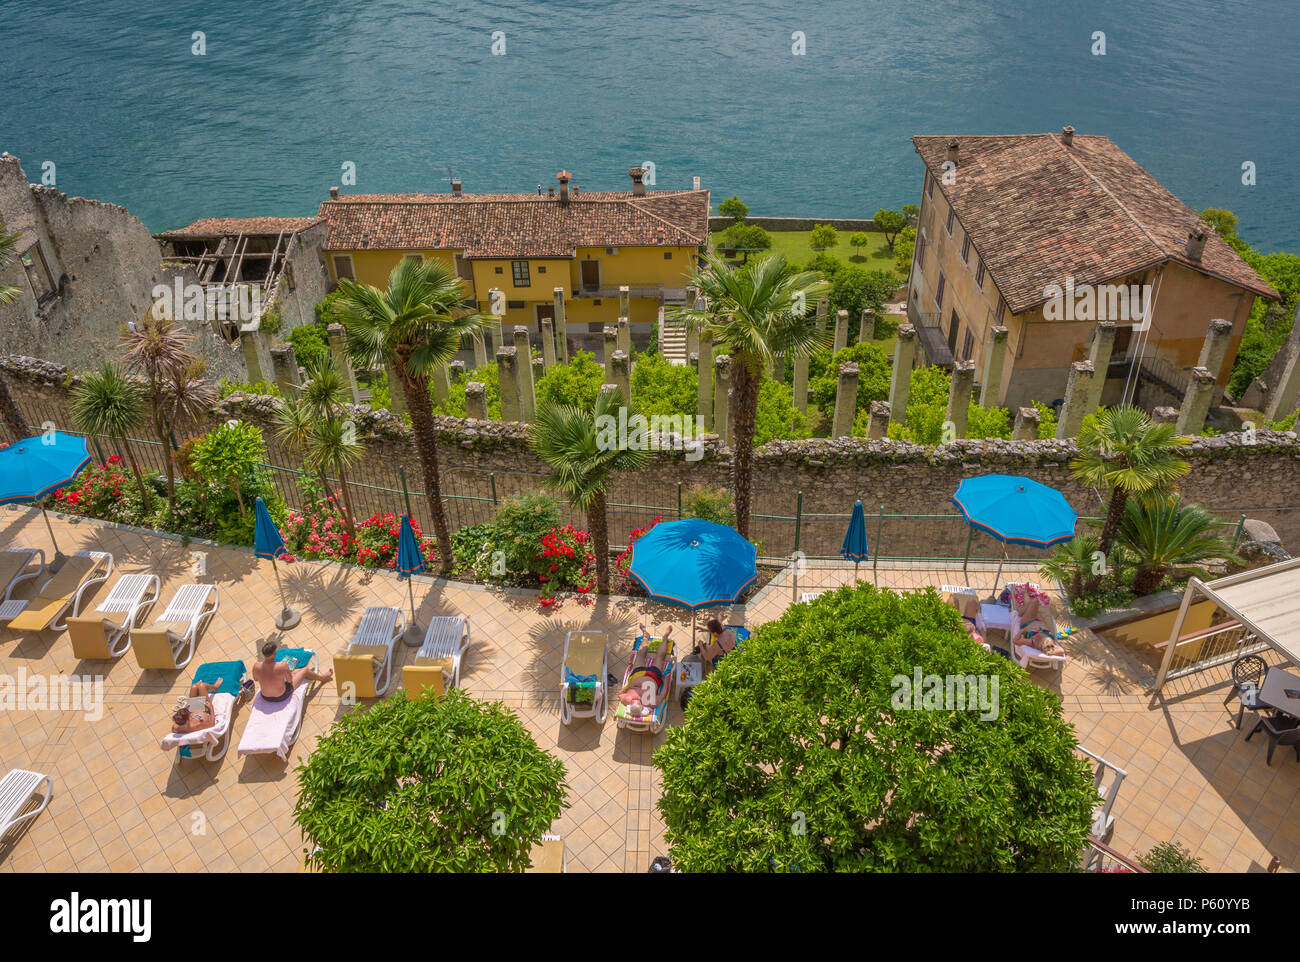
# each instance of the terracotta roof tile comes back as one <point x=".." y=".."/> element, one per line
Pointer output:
<point x="517" y="225"/>
<point x="1038" y="210"/>
<point x="220" y="226"/>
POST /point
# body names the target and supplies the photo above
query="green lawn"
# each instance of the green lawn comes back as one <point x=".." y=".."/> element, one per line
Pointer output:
<point x="874" y="257"/>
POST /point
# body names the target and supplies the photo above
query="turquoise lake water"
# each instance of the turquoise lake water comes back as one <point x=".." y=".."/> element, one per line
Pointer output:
<point x="411" y="92"/>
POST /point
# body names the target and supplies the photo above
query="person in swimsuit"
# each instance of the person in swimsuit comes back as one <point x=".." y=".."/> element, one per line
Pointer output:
<point x="277" y="680"/>
<point x="720" y="641"/>
<point x="185" y="721"/>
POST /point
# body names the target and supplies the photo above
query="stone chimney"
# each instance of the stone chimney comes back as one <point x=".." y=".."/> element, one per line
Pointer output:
<point x="564" y="177"/>
<point x="952" y="151"/>
<point x="638" y="186"/>
<point x="1067" y="136"/>
<point x="455" y="188"/>
<point x="334" y="193"/>
<point x="1196" y="243"/>
<point x="550" y="191"/>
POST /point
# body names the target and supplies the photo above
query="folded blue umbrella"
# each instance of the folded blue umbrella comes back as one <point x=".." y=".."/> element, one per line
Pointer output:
<point x="267" y="542"/>
<point x="855" y="538"/>
<point x="410" y="560"/>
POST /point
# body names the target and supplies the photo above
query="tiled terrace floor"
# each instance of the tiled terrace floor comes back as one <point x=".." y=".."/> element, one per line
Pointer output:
<point x="122" y="804"/>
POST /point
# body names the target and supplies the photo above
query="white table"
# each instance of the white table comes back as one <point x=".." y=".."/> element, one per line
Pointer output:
<point x="996" y="616"/>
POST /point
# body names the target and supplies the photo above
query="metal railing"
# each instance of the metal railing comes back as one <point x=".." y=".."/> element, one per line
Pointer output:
<point x="1100" y="858"/>
<point x="1211" y="647"/>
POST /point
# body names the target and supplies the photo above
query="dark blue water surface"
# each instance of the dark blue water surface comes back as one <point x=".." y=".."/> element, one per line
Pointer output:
<point x="410" y="91"/>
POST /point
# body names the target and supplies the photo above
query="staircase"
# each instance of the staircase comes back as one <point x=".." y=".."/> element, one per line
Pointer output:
<point x="672" y="340"/>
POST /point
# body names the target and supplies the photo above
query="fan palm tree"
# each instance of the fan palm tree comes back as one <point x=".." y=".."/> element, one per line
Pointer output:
<point x="1162" y="533"/>
<point x="570" y="439"/>
<point x="1123" y="451"/>
<point x="414" y="325"/>
<point x="9" y="413"/>
<point x="757" y="311"/>
<point x="316" y="424"/>
<point x="1074" y="564"/>
<point x="107" y="403"/>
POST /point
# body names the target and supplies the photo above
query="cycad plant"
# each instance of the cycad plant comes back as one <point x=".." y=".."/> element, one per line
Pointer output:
<point x="757" y="312"/>
<point x="415" y="324"/>
<point x="9" y="412"/>
<point x="1163" y="533"/>
<point x="1124" y="452"/>
<point x="108" y="404"/>
<point x="583" y="463"/>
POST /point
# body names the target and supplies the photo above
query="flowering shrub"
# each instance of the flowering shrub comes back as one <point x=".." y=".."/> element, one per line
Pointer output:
<point x="102" y="492"/>
<point x="623" y="562"/>
<point x="567" y="563"/>
<point x="319" y="532"/>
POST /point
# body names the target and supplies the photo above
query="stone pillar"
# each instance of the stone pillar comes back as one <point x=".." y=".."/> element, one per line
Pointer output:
<point x="1026" y="426"/>
<point x="867" y="326"/>
<point x="722" y="398"/>
<point x="508" y="376"/>
<point x="841" y="332"/>
<point x="623" y="376"/>
<point x="284" y="364"/>
<point x="441" y="383"/>
<point x="496" y="330"/>
<point x="476" y="401"/>
<point x="1103" y="343"/>
<point x="900" y="381"/>
<point x="878" y="421"/>
<point x="611" y="345"/>
<point x="1196" y="403"/>
<point x="1215" y="348"/>
<point x="624" y="301"/>
<point x="524" y="373"/>
<point x="548" y="344"/>
<point x="624" y="328"/>
<point x="397" y="397"/>
<point x="823" y="309"/>
<point x="799" y="387"/>
<point x="1165" y="415"/>
<point x="846" y="398"/>
<point x="692" y="341"/>
<point x="561" y="329"/>
<point x="1076" y="399"/>
<point x="963" y="382"/>
<point x="336" y="334"/>
<point x="539" y="369"/>
<point x="778" y="368"/>
<point x="704" y="383"/>
<point x="480" y="348"/>
<point x="257" y="359"/>
<point x="1282" y="399"/>
<point x="994" y="357"/>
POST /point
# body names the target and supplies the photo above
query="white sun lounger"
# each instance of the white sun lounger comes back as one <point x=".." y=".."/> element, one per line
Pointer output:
<point x="365" y="668"/>
<point x="445" y="642"/>
<point x="106" y="631"/>
<point x="210" y="743"/>
<point x="15" y="568"/>
<point x="274" y="726"/>
<point x="16" y="790"/>
<point x="586" y="653"/>
<point x="62" y="590"/>
<point x="169" y="643"/>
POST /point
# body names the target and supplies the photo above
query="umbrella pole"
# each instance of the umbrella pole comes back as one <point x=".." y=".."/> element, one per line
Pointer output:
<point x="59" y="557"/>
<point x="998" y="575"/>
<point x="288" y="617"/>
<point x="414" y="634"/>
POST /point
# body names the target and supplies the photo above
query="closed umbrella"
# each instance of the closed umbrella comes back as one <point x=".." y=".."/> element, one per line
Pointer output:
<point x="1015" y="510"/>
<point x="854" y="547"/>
<point x="410" y="561"/>
<point x="268" y="544"/>
<point x="33" y="468"/>
<point x="694" y="564"/>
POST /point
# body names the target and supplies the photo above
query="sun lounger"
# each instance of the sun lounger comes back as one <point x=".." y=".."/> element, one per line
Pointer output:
<point x="63" y="590"/>
<point x="170" y="641"/>
<point x="653" y="722"/>
<point x="582" y="676"/>
<point x="273" y="726"/>
<point x="16" y="791"/>
<point x="548" y="856"/>
<point x="212" y="743"/>
<point x="16" y="567"/>
<point x="365" y="668"/>
<point x="445" y="642"/>
<point x="1025" y="611"/>
<point x="106" y="631"/>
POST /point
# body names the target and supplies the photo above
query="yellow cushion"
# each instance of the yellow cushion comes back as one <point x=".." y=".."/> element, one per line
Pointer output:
<point x="419" y="678"/>
<point x="11" y="563"/>
<point x="54" y="596"/>
<point x="153" y="647"/>
<point x="88" y="637"/>
<point x="355" y="674"/>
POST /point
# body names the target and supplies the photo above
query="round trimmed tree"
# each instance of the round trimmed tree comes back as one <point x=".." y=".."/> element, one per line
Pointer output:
<point x="432" y="785"/>
<point x="805" y="751"/>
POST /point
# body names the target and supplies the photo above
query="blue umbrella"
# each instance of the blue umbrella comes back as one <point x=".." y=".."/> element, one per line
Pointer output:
<point x="268" y="544"/>
<point x="1015" y="510"/>
<point x="855" y="539"/>
<point x="33" y="468"/>
<point x="693" y="563"/>
<point x="410" y="561"/>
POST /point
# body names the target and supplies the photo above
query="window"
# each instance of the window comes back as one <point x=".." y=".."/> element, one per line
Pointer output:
<point x="967" y="346"/>
<point x="499" y="270"/>
<point x="611" y="251"/>
<point x="979" y="272"/>
<point x="541" y="268"/>
<point x="965" y="248"/>
<point x="519" y="272"/>
<point x="668" y="255"/>
<point x="413" y="257"/>
<point x="938" y="294"/>
<point x="952" y="216"/>
<point x="343" y="267"/>
<point x="929" y="184"/>
<point x="38" y="272"/>
<point x="516" y="305"/>
<point x="920" y="251"/>
<point x="1002" y="310"/>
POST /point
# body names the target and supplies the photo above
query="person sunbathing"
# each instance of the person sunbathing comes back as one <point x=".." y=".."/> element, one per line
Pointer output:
<point x="278" y="680"/>
<point x="719" y="641"/>
<point x="1039" y="636"/>
<point x="968" y="622"/>
<point x="185" y="721"/>
<point x="641" y="694"/>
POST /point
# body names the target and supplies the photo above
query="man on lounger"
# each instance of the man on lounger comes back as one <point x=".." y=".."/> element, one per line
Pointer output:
<point x="277" y="680"/>
<point x="185" y="721"/>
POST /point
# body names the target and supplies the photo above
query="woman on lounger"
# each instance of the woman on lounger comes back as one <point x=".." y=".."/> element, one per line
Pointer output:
<point x="641" y="694"/>
<point x="277" y="680"/>
<point x="1036" y="632"/>
<point x="719" y="642"/>
<point x="968" y="621"/>
<point x="185" y="721"/>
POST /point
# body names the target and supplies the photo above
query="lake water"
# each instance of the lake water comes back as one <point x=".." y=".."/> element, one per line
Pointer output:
<point x="411" y="92"/>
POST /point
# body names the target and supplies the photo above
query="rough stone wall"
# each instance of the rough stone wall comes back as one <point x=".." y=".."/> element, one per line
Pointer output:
<point x="105" y="265"/>
<point x="310" y="277"/>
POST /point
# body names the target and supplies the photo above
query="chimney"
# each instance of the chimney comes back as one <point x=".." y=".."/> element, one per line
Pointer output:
<point x="334" y="193"/>
<point x="952" y="152"/>
<point x="564" y="177"/>
<point x="1196" y="243"/>
<point x="1067" y="135"/>
<point x="455" y="188"/>
<point x="638" y="186"/>
<point x="550" y="191"/>
<point x="695" y="183"/>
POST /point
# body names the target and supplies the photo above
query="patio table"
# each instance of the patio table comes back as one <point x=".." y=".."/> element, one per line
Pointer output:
<point x="996" y="616"/>
<point x="1273" y="693"/>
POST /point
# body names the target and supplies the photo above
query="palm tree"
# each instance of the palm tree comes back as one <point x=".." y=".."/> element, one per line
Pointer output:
<point x="1123" y="451"/>
<point x="107" y="403"/>
<point x="1074" y="564"/>
<point x="757" y="311"/>
<point x="1163" y="532"/>
<point x="316" y="424"/>
<point x="9" y="413"/>
<point x="415" y="325"/>
<point x="572" y="440"/>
